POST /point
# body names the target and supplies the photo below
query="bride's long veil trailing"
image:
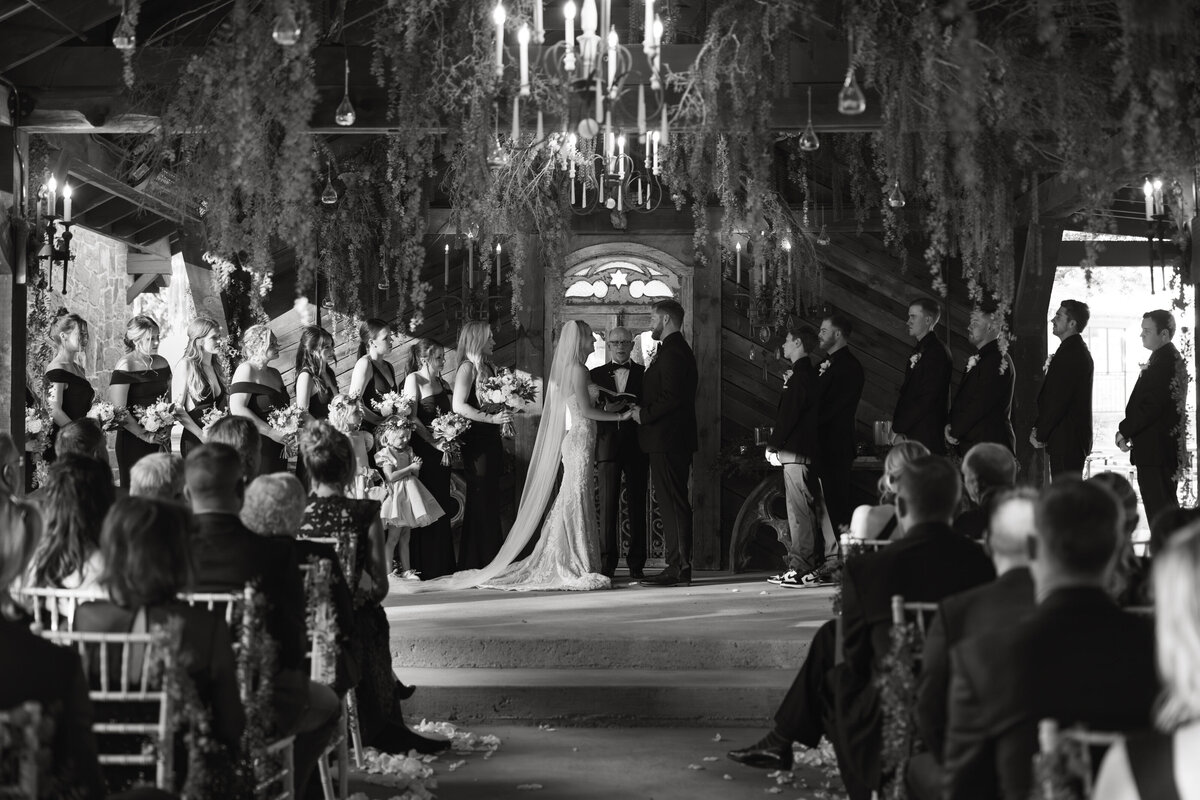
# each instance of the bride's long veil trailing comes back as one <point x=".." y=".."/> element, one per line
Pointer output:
<point x="544" y="464"/>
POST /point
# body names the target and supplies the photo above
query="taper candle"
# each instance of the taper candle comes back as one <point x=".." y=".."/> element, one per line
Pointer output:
<point x="738" y="246"/>
<point x="498" y="16"/>
<point x="497" y="267"/>
<point x="446" y="269"/>
<point x="523" y="55"/>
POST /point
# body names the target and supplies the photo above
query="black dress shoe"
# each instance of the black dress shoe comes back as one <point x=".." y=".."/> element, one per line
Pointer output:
<point x="670" y="578"/>
<point x="765" y="755"/>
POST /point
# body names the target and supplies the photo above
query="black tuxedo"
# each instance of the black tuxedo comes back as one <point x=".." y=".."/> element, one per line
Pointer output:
<point x="924" y="401"/>
<point x="839" y="388"/>
<point x="1150" y="419"/>
<point x="1064" y="419"/>
<point x="668" y="434"/>
<point x="795" y="430"/>
<point x="617" y="453"/>
<point x="982" y="409"/>
<point x="1077" y="659"/>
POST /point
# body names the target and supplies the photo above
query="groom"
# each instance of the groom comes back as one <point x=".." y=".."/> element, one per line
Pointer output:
<point x="667" y="416"/>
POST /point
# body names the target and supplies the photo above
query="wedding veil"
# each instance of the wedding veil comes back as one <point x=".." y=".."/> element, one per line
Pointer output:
<point x="544" y="464"/>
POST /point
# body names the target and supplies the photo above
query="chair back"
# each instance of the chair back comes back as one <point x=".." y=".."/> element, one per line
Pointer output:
<point x="1065" y="764"/>
<point x="321" y="623"/>
<point x="19" y="752"/>
<point x="128" y="669"/>
<point x="346" y="549"/>
<point x="921" y="614"/>
<point x="229" y="605"/>
<point x="54" y="609"/>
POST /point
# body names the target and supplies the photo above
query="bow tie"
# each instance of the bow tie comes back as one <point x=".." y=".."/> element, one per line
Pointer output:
<point x="615" y="366"/>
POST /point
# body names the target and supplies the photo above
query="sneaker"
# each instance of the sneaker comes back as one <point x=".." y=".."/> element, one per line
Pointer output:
<point x="791" y="580"/>
<point x="818" y="577"/>
<point x="789" y="575"/>
<point x="410" y="575"/>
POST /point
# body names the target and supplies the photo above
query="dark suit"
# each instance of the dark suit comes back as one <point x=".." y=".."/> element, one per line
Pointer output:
<point x="794" y="437"/>
<point x="839" y="388"/>
<point x="1077" y="659"/>
<point x="795" y="429"/>
<point x="1150" y="421"/>
<point x="618" y="453"/>
<point x="842" y="702"/>
<point x="1064" y="419"/>
<point x="668" y="434"/>
<point x="982" y="409"/>
<point x="924" y="401"/>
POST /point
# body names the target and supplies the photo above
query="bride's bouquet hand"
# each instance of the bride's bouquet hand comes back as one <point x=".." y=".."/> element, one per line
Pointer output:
<point x="504" y="417"/>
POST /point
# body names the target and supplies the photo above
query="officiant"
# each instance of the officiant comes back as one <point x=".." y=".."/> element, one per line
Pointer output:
<point x="618" y="455"/>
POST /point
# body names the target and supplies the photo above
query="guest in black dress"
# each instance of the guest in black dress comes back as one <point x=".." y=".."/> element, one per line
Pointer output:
<point x="482" y="451"/>
<point x="257" y="390"/>
<point x="199" y="385"/>
<point x="431" y="548"/>
<point x="139" y="379"/>
<point x="373" y="375"/>
<point x="69" y="394"/>
<point x="316" y="382"/>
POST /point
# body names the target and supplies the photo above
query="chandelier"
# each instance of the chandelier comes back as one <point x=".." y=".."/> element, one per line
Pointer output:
<point x="56" y="233"/>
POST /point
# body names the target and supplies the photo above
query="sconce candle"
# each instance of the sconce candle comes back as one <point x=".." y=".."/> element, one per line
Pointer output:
<point x="1148" y="191"/>
<point x="497" y="267"/>
<point x="66" y="202"/>
<point x="498" y="16"/>
<point x="52" y="197"/>
<point x="446" y="269"/>
<point x="523" y="51"/>
<point x="738" y="247"/>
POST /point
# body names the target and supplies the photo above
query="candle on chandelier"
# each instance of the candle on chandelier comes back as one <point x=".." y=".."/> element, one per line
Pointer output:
<point x="541" y="131"/>
<point x="446" y="269"/>
<point x="648" y="28"/>
<point x="654" y="137"/>
<point x="516" y="118"/>
<point x="569" y="54"/>
<point x="498" y="16"/>
<point x="1159" y="204"/>
<point x="787" y="248"/>
<point x="51" y="198"/>
<point x="523" y="54"/>
<point x="1148" y="191"/>
<point x="497" y="266"/>
<point x="639" y="190"/>
<point x="641" y="113"/>
<point x="656" y="56"/>
<point x="621" y="155"/>
<point x="738" y="246"/>
<point x="662" y="129"/>
<point x="605" y="15"/>
<point x="66" y="202"/>
<point x="539" y="24"/>
<point x="612" y="59"/>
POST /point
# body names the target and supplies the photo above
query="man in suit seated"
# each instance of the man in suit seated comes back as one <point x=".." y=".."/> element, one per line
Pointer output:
<point x="1002" y="602"/>
<point x="228" y="556"/>
<point x="1078" y="659"/>
<point x="988" y="469"/>
<point x="842" y="702"/>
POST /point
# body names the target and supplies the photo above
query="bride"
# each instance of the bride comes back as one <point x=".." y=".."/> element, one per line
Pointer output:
<point x="567" y="554"/>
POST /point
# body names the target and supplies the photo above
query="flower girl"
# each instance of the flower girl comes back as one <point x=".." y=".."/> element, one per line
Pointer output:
<point x="408" y="504"/>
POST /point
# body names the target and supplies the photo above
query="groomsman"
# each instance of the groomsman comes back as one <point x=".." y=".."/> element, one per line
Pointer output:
<point x="619" y="454"/>
<point x="839" y="388"/>
<point x="667" y="417"/>
<point x="924" y="400"/>
<point x="982" y="409"/>
<point x="1064" y="418"/>
<point x="1152" y="416"/>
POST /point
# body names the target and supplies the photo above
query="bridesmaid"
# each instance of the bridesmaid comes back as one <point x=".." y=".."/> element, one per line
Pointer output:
<point x="69" y="394"/>
<point x="482" y="451"/>
<point x="373" y="375"/>
<point x="431" y="548"/>
<point x="316" y="382"/>
<point x="258" y="389"/>
<point x="138" y="379"/>
<point x="199" y="384"/>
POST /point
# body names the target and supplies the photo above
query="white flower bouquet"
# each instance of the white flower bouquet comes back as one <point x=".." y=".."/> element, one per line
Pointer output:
<point x="158" y="419"/>
<point x="507" y="389"/>
<point x="37" y="429"/>
<point x="287" y="420"/>
<point x="212" y="417"/>
<point x="393" y="404"/>
<point x="446" y="428"/>
<point x="109" y="416"/>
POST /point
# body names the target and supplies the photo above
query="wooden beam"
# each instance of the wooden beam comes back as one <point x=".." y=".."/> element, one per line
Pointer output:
<point x="141" y="284"/>
<point x="97" y="177"/>
<point x="35" y="33"/>
<point x="143" y="264"/>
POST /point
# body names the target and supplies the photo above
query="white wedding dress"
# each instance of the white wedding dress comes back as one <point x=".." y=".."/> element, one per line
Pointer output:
<point x="567" y="554"/>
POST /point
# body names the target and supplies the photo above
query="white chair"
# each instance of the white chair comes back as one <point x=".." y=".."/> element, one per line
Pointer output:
<point x="20" y="750"/>
<point x="55" y="608"/>
<point x="1064" y="762"/>
<point x="321" y="623"/>
<point x="921" y="613"/>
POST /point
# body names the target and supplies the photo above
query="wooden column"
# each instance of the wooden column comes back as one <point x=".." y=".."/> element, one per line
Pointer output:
<point x="706" y="474"/>
<point x="13" y="313"/>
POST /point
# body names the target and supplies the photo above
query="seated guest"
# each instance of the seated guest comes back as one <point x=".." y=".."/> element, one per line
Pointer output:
<point x="1161" y="764"/>
<point x="1131" y="574"/>
<point x="987" y="468"/>
<point x="157" y="475"/>
<point x="881" y="522"/>
<point x="1077" y="659"/>
<point x="1169" y="522"/>
<point x="227" y="556"/>
<point x="240" y="434"/>
<point x="1002" y="602"/>
<point x="274" y="506"/>
<point x="77" y="494"/>
<point x="83" y="437"/>
<point x="842" y="702"/>
<point x="147" y="563"/>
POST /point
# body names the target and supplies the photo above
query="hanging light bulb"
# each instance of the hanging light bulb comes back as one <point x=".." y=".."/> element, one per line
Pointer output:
<point x="124" y="37"/>
<point x="345" y="115"/>
<point x="808" y="140"/>
<point x="823" y="236"/>
<point x="287" y="29"/>
<point x="330" y="196"/>
<point x="895" y="197"/>
<point x="384" y="284"/>
<point x="851" y="99"/>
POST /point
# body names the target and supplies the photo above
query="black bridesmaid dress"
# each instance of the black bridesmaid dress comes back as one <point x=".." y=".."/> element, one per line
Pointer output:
<point x="145" y="387"/>
<point x="431" y="548"/>
<point x="378" y="385"/>
<point x="318" y="408"/>
<point x="263" y="400"/>
<point x="78" y="396"/>
<point x="483" y="460"/>
<point x="209" y="398"/>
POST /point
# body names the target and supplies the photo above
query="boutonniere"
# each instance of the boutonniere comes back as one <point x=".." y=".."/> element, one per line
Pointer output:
<point x="1046" y="366"/>
<point x="826" y="364"/>
<point x="971" y="362"/>
<point x="787" y="376"/>
<point x="1142" y="366"/>
<point x="913" y="360"/>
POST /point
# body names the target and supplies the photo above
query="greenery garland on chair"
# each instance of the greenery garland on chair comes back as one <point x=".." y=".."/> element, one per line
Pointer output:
<point x="897" y="683"/>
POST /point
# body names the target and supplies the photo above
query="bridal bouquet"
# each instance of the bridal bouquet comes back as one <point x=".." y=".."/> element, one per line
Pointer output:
<point x="37" y="429"/>
<point x="446" y="428"/>
<point x="393" y="404"/>
<point x="212" y="417"/>
<point x="287" y="420"/>
<point x="109" y="416"/>
<point x="158" y="419"/>
<point x="507" y="389"/>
